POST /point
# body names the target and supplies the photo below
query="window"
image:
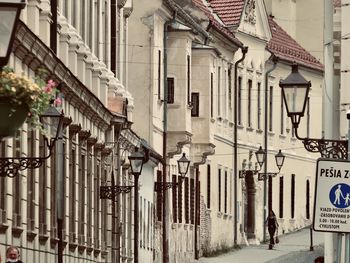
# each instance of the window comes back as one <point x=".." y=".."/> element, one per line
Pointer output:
<point x="219" y="189"/>
<point x="219" y="91"/>
<point x="282" y="114"/>
<point x="224" y="95"/>
<point x="211" y="95"/>
<point x="250" y="85"/>
<point x="42" y="186"/>
<point x="208" y="186"/>
<point x="72" y="175"/>
<point x="239" y="103"/>
<point x="171" y="90"/>
<point x="188" y="80"/>
<point x="229" y="89"/>
<point x="97" y="179"/>
<point x="2" y="181"/>
<point x="159" y="197"/>
<point x="225" y="200"/>
<point x="187" y="216"/>
<point x="159" y="73"/>
<point x="308" y="199"/>
<point x="259" y="106"/>
<point x="271" y="109"/>
<point x="82" y="188"/>
<point x="179" y="200"/>
<point x="31" y="179"/>
<point x="174" y="192"/>
<point x="292" y="191"/>
<point x="53" y="188"/>
<point x="192" y="200"/>
<point x="89" y="190"/>
<point x="281" y="198"/>
<point x="195" y="104"/>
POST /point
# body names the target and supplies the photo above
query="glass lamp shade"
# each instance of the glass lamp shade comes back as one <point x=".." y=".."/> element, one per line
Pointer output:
<point x="136" y="162"/>
<point x="260" y="156"/>
<point x="183" y="164"/>
<point x="52" y="121"/>
<point x="279" y="157"/>
<point x="9" y="13"/>
<point x="295" y="91"/>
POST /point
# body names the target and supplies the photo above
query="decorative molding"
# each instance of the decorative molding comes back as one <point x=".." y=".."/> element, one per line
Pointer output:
<point x="249" y="12"/>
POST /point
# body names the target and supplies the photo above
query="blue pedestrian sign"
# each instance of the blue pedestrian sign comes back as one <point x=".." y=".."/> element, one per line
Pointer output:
<point x="332" y="196"/>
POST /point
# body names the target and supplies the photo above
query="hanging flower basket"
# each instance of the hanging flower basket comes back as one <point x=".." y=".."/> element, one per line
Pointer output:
<point x="23" y="99"/>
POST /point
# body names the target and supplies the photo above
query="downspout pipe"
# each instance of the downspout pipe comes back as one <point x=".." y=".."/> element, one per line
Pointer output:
<point x="165" y="240"/>
<point x="244" y="50"/>
<point x="53" y="26"/>
<point x="274" y="59"/>
<point x="113" y="36"/>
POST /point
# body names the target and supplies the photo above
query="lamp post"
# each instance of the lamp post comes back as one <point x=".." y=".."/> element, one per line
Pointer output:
<point x="9" y="13"/>
<point x="136" y="163"/>
<point x="51" y="120"/>
<point x="295" y="90"/>
<point x="183" y="165"/>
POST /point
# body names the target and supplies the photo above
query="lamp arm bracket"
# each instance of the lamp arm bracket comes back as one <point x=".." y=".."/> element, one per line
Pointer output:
<point x="264" y="176"/>
<point x="161" y="186"/>
<point x="337" y="149"/>
<point x="109" y="192"/>
<point x="11" y="166"/>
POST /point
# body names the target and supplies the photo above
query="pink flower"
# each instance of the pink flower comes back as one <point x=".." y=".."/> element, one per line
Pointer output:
<point x="47" y="89"/>
<point x="57" y="102"/>
<point x="51" y="83"/>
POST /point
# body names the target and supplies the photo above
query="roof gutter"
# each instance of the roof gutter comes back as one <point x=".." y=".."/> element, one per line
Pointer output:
<point x="188" y="18"/>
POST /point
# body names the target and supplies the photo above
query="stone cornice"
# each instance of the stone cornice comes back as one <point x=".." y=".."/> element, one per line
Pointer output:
<point x="34" y="53"/>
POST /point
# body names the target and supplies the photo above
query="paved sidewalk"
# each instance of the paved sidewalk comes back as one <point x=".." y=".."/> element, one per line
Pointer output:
<point x="290" y="245"/>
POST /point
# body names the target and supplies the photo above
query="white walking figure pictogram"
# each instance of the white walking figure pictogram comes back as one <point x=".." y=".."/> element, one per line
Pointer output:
<point x="347" y="199"/>
<point x="337" y="194"/>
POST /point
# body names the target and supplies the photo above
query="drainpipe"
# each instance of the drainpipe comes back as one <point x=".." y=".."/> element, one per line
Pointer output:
<point x="165" y="129"/>
<point x="274" y="59"/>
<point x="53" y="27"/>
<point x="113" y="36"/>
<point x="244" y="52"/>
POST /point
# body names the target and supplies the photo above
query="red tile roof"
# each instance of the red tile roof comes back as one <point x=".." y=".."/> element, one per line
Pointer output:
<point x="286" y="48"/>
<point x="215" y="23"/>
<point x="229" y="11"/>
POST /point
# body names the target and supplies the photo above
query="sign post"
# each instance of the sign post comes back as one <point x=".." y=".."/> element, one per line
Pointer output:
<point x="332" y="196"/>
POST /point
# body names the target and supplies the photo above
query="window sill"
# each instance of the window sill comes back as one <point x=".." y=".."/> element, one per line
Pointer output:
<point x="283" y="136"/>
<point x="271" y="133"/>
<point x="230" y="124"/>
<point x="31" y="235"/>
<point x="240" y="126"/>
<point x="219" y="214"/>
<point x="72" y="246"/>
<point x="259" y="131"/>
<point x="250" y="129"/>
<point x="160" y="101"/>
<point x="293" y="139"/>
<point x="43" y="238"/>
<point x="3" y="227"/>
<point x="212" y="120"/>
<point x="173" y="105"/>
<point x="17" y="231"/>
<point x="219" y="119"/>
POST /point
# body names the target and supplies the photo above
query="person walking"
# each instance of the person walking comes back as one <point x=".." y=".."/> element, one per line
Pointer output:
<point x="272" y="225"/>
<point x="12" y="255"/>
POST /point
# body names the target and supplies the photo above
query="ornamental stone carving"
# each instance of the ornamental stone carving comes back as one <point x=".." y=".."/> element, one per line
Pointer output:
<point x="249" y="13"/>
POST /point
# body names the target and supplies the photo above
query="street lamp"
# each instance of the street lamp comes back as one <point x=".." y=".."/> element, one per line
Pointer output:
<point x="295" y="91"/>
<point x="260" y="157"/>
<point x="52" y="120"/>
<point x="279" y="158"/>
<point x="182" y="165"/>
<point x="136" y="163"/>
<point x="9" y="13"/>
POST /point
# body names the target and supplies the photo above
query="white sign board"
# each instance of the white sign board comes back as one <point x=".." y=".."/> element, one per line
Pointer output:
<point x="332" y="196"/>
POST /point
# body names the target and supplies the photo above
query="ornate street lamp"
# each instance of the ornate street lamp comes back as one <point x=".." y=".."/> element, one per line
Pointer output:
<point x="9" y="13"/>
<point x="52" y="121"/>
<point x="182" y="165"/>
<point x="260" y="157"/>
<point x="279" y="158"/>
<point x="295" y="91"/>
